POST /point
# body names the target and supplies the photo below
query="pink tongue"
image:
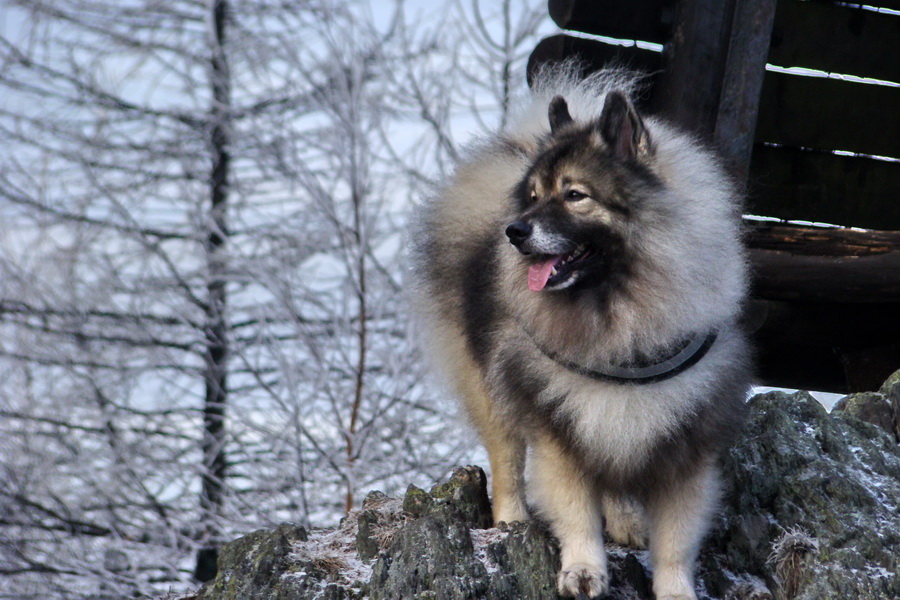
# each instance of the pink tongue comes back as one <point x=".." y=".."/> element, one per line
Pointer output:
<point x="539" y="274"/>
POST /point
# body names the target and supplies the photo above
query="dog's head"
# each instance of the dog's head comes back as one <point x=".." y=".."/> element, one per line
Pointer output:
<point x="576" y="202"/>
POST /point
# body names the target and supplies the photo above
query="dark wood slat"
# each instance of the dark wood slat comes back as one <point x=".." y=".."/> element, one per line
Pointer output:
<point x="646" y="20"/>
<point x="829" y="114"/>
<point x="825" y="265"/>
<point x="836" y="39"/>
<point x="793" y="184"/>
<point x="822" y="35"/>
<point x="783" y="276"/>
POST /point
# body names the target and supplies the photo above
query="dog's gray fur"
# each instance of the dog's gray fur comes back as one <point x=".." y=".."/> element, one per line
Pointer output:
<point x="665" y="263"/>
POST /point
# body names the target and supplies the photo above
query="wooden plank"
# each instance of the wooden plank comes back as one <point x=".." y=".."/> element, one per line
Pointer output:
<point x="829" y="114"/>
<point x="799" y="185"/>
<point x="593" y="54"/>
<point x="646" y="20"/>
<point x="828" y="346"/>
<point x="825" y="35"/>
<point x="825" y="265"/>
<point x="836" y="39"/>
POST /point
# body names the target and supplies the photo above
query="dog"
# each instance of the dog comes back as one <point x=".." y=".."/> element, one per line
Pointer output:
<point x="580" y="280"/>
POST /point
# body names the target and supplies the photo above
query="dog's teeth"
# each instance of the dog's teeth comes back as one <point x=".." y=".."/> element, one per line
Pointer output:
<point x="553" y="271"/>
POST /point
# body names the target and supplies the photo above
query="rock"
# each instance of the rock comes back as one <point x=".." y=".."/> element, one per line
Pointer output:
<point x="523" y="561"/>
<point x="465" y="496"/>
<point x="810" y="511"/>
<point x="429" y="555"/>
<point x="891" y="386"/>
<point x="871" y="407"/>
<point x="260" y="566"/>
<point x="891" y="391"/>
<point x="417" y="502"/>
<point x="834" y="478"/>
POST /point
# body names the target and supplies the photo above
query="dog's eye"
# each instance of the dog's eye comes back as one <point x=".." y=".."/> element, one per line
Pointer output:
<point x="573" y="195"/>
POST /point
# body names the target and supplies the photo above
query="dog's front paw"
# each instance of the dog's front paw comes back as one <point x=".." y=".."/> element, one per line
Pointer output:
<point x="583" y="580"/>
<point x="509" y="515"/>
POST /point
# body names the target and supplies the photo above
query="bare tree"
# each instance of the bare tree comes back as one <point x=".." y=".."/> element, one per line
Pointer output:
<point x="486" y="47"/>
<point x="202" y="325"/>
<point x="497" y="38"/>
<point x="198" y="284"/>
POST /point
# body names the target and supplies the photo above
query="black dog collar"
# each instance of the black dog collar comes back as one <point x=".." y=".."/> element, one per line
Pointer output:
<point x="644" y="369"/>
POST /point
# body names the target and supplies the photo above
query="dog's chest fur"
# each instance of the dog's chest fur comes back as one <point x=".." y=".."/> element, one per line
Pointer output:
<point x="613" y="428"/>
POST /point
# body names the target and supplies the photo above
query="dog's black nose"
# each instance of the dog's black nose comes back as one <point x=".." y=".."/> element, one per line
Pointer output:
<point x="518" y="232"/>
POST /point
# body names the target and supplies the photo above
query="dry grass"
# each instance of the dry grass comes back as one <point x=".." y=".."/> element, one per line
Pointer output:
<point x="789" y="557"/>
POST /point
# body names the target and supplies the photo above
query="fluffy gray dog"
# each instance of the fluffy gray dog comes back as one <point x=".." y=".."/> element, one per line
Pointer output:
<point x="581" y="277"/>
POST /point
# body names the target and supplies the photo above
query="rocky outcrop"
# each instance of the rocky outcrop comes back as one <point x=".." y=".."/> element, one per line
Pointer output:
<point x="810" y="511"/>
<point x="799" y="473"/>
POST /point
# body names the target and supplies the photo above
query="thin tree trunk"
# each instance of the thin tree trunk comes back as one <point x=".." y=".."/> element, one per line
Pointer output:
<point x="362" y="335"/>
<point x="361" y="241"/>
<point x="216" y="358"/>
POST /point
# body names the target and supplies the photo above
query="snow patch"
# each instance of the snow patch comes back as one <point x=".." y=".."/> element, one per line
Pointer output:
<point x="481" y="539"/>
<point x="334" y="552"/>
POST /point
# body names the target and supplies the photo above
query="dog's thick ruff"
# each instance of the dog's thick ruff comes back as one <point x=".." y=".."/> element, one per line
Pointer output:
<point x="588" y="235"/>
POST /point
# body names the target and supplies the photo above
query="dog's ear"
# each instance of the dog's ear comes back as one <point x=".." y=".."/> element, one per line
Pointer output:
<point x="559" y="114"/>
<point x="622" y="128"/>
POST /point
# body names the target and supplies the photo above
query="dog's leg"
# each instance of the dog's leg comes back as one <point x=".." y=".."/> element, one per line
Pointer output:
<point x="567" y="499"/>
<point x="506" y="452"/>
<point x="679" y="517"/>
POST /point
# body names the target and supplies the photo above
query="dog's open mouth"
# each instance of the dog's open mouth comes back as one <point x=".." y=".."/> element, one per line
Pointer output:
<point x="557" y="271"/>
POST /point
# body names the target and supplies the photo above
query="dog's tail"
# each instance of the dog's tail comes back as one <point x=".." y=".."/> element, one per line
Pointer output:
<point x="584" y="95"/>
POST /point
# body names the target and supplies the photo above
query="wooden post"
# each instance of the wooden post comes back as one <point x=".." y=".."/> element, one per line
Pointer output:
<point x="714" y="66"/>
<point x="745" y="68"/>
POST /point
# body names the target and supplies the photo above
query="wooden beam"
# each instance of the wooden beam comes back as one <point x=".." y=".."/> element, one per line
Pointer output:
<point x="825" y="35"/>
<point x="826" y="314"/>
<point x="825" y="265"/>
<point x="691" y="83"/>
